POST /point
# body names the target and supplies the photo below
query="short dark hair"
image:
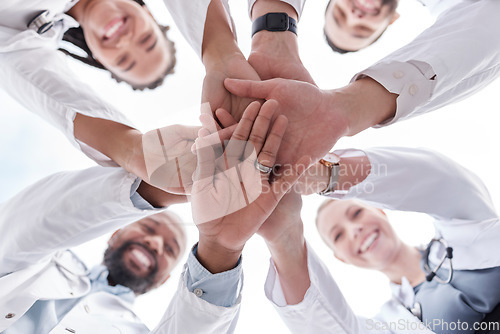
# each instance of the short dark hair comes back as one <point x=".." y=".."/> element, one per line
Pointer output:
<point x="76" y="37"/>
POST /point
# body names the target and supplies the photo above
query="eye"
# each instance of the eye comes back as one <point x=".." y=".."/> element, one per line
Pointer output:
<point x="122" y="60"/>
<point x="357" y="213"/>
<point x="145" y="39"/>
<point x="148" y="229"/>
<point x="337" y="237"/>
<point x="169" y="249"/>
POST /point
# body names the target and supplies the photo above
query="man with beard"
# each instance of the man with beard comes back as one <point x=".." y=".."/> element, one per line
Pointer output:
<point x="45" y="288"/>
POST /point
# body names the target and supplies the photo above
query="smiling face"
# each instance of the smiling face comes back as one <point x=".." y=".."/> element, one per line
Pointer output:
<point x="352" y="25"/>
<point x="142" y="255"/>
<point x="125" y="38"/>
<point x="358" y="234"/>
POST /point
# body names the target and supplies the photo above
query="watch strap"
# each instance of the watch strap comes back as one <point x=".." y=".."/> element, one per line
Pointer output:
<point x="274" y="22"/>
<point x="334" y="178"/>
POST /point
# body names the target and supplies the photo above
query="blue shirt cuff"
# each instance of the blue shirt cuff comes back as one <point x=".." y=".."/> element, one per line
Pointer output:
<point x="222" y="289"/>
<point x="137" y="200"/>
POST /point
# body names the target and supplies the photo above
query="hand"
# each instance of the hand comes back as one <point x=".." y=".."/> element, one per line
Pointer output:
<point x="316" y="118"/>
<point x="232" y="65"/>
<point x="167" y="158"/>
<point x="224" y="205"/>
<point x="276" y="55"/>
<point x="284" y="224"/>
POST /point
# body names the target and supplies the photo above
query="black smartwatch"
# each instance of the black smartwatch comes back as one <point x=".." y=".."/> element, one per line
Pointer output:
<point x="274" y="22"/>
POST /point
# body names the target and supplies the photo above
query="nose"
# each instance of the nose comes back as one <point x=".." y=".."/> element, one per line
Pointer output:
<point x="356" y="230"/>
<point x="357" y="12"/>
<point x="124" y="40"/>
<point x="155" y="243"/>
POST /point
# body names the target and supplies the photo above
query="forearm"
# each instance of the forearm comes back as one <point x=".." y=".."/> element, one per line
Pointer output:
<point x="365" y="103"/>
<point x="118" y="141"/>
<point x="421" y="180"/>
<point x="218" y="39"/>
<point x="290" y="259"/>
<point x="352" y="171"/>
<point x="215" y="257"/>
<point x="159" y="198"/>
<point x="428" y="73"/>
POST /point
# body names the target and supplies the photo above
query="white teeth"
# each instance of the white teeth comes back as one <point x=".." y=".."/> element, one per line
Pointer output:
<point x="113" y="29"/>
<point x="141" y="257"/>
<point x="368" y="242"/>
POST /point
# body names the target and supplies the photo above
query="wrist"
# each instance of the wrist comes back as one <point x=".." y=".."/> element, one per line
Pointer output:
<point x="315" y="179"/>
<point x="215" y="257"/>
<point x="366" y="103"/>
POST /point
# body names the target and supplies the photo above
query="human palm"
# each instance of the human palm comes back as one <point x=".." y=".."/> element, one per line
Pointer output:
<point x="230" y="204"/>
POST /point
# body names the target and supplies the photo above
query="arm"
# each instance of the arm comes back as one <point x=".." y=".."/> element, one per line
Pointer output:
<point x="276" y="54"/>
<point x="205" y="302"/>
<point x="35" y="78"/>
<point x="449" y="61"/>
<point x="66" y="209"/>
<point x="418" y="180"/>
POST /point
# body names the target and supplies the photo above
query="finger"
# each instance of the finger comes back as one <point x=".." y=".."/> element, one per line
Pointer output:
<point x="225" y="118"/>
<point x="204" y="173"/>
<point x="267" y="156"/>
<point x="262" y="124"/>
<point x="249" y="88"/>
<point x="203" y="132"/>
<point x="207" y="118"/>
<point x="236" y="145"/>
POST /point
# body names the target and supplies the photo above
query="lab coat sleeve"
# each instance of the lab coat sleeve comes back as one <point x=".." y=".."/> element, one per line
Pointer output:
<point x="298" y="5"/>
<point x="62" y="211"/>
<point x="190" y="18"/>
<point x="451" y="60"/>
<point x="39" y="79"/>
<point x="421" y="180"/>
<point x="188" y="313"/>
<point x="323" y="309"/>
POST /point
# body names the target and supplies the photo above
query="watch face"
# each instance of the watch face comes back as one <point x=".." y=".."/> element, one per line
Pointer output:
<point x="332" y="157"/>
<point x="277" y="21"/>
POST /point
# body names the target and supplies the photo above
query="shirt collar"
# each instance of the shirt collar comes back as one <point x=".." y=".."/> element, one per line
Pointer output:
<point x="98" y="276"/>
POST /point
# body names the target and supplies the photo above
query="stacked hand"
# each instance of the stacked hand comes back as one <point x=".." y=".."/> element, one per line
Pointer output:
<point x="231" y="199"/>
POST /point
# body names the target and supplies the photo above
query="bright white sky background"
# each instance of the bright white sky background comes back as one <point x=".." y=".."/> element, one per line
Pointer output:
<point x="467" y="132"/>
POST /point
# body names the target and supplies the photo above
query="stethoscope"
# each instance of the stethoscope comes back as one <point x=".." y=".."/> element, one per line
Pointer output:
<point x="448" y="254"/>
<point x="430" y="274"/>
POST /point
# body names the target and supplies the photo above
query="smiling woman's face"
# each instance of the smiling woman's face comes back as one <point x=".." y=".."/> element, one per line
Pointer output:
<point x="358" y="234"/>
<point x="124" y="37"/>
<point x="354" y="24"/>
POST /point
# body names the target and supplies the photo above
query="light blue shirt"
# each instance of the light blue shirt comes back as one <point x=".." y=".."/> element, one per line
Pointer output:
<point x="220" y="289"/>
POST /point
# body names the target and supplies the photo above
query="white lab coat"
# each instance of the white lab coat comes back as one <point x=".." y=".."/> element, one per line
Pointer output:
<point x="34" y="73"/>
<point x="40" y="223"/>
<point x="190" y="17"/>
<point x="451" y="60"/>
<point x="403" y="179"/>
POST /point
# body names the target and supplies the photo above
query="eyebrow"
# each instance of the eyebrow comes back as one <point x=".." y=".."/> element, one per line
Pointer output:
<point x="131" y="66"/>
<point x="152" y="46"/>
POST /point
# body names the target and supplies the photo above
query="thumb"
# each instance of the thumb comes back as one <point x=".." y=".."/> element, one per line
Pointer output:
<point x="249" y="88"/>
<point x="205" y="169"/>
